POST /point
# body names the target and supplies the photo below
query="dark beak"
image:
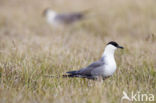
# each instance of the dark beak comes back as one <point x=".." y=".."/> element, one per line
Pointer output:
<point x="44" y="12"/>
<point x="120" y="47"/>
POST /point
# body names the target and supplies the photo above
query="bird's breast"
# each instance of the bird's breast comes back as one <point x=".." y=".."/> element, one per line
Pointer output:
<point x="110" y="67"/>
<point x="109" y="70"/>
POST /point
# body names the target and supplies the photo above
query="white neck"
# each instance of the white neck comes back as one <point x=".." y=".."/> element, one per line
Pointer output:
<point x="109" y="50"/>
<point x="109" y="60"/>
<point x="50" y="15"/>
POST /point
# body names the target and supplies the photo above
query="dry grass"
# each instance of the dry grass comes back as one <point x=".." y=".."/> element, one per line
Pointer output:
<point x="30" y="49"/>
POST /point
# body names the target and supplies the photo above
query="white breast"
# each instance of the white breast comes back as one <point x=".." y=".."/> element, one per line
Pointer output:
<point x="110" y="65"/>
<point x="50" y="17"/>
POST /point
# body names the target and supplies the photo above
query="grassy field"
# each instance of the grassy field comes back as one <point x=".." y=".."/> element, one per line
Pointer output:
<point x="30" y="49"/>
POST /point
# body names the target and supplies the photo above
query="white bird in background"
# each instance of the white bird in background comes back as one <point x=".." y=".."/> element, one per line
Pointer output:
<point x="104" y="67"/>
<point x="56" y="19"/>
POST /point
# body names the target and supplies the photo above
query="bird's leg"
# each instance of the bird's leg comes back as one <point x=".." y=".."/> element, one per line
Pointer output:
<point x="100" y="79"/>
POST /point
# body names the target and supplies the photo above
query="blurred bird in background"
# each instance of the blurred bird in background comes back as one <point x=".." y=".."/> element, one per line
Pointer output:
<point x="63" y="19"/>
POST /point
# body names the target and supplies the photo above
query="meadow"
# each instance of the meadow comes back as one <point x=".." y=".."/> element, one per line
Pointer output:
<point x="30" y="49"/>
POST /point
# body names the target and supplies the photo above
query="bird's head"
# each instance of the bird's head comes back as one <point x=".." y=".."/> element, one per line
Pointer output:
<point x="111" y="47"/>
<point x="48" y="11"/>
<point x="114" y="45"/>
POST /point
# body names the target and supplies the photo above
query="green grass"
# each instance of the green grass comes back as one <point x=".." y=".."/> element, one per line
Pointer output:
<point x="31" y="49"/>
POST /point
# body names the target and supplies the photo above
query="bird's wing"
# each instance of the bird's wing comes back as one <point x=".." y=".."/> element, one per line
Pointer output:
<point x="68" y="18"/>
<point x="95" y="68"/>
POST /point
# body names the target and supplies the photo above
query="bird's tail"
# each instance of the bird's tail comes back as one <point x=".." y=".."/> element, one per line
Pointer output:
<point x="69" y="74"/>
<point x="52" y="76"/>
<point x="61" y="76"/>
<point x="72" y="72"/>
<point x="85" y="12"/>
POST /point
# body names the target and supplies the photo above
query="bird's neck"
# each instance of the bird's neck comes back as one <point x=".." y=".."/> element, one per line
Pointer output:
<point x="50" y="15"/>
<point x="108" y="58"/>
<point x="108" y="54"/>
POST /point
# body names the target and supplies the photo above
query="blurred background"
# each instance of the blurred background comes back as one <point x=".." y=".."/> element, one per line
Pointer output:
<point x="105" y="17"/>
<point x="30" y="48"/>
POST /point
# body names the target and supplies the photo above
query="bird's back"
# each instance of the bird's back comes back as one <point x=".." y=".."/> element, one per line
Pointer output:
<point x="92" y="71"/>
<point x="68" y="18"/>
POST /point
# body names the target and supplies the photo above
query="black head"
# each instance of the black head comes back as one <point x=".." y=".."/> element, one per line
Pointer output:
<point x="115" y="44"/>
<point x="45" y="11"/>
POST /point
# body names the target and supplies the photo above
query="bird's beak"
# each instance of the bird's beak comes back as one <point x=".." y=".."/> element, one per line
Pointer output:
<point x="120" y="47"/>
<point x="44" y="12"/>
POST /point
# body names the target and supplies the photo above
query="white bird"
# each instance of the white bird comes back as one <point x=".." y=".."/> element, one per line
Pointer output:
<point x="56" y="19"/>
<point x="104" y="67"/>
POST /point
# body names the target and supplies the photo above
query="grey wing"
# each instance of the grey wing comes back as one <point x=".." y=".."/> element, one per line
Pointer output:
<point x="68" y="18"/>
<point x="93" y="69"/>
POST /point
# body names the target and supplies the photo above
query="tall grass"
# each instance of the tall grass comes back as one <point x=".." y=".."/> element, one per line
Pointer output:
<point x="31" y="49"/>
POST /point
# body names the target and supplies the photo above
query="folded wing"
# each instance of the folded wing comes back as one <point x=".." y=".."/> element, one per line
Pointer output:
<point x="92" y="71"/>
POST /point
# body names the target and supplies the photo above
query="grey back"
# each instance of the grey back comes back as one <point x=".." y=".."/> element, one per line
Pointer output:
<point x="68" y="18"/>
<point x="94" y="69"/>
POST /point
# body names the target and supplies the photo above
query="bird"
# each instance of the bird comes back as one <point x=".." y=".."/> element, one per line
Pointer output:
<point x="103" y="68"/>
<point x="57" y="19"/>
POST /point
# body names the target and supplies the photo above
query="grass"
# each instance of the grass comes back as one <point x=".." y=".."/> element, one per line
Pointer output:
<point x="31" y="49"/>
